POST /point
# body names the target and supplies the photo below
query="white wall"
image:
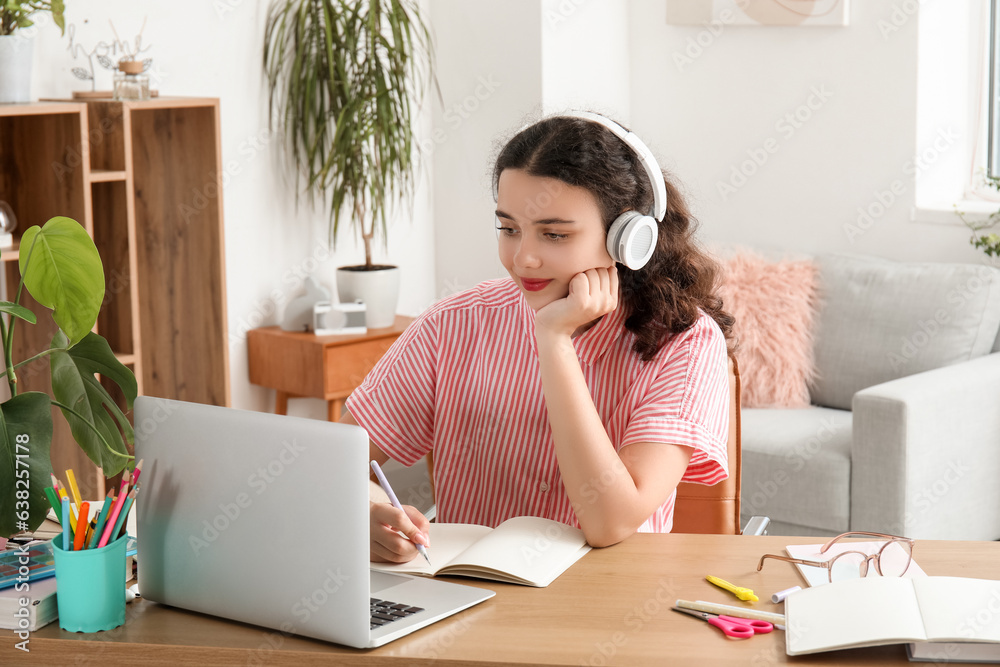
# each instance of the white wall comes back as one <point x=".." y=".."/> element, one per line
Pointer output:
<point x="214" y="49"/>
<point x="831" y="113"/>
<point x="488" y="57"/>
<point x="853" y="150"/>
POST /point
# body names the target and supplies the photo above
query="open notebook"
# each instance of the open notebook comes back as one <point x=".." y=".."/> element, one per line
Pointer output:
<point x="524" y="550"/>
<point x="892" y="610"/>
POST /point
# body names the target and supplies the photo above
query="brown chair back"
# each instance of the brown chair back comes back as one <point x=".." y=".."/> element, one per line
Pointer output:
<point x="715" y="509"/>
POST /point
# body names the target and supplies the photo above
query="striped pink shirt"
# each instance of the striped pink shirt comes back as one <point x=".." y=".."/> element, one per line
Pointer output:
<point x="463" y="380"/>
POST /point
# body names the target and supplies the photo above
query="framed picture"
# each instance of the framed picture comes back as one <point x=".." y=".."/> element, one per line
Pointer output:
<point x="759" y="12"/>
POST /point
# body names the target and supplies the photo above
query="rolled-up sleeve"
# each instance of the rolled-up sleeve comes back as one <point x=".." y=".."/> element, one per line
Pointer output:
<point x="395" y="403"/>
<point x="686" y="403"/>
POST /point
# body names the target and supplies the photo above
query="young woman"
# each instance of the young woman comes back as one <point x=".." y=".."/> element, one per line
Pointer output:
<point x="577" y="389"/>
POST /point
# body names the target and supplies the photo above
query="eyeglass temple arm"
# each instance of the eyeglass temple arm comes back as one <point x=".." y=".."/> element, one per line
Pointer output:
<point x="788" y="559"/>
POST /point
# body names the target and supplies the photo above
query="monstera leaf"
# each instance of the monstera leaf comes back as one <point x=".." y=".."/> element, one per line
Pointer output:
<point x="98" y="424"/>
<point x="61" y="268"/>
<point x="25" y="439"/>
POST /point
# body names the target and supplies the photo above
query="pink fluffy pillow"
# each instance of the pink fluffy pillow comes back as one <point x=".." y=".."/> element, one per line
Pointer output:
<point x="774" y="303"/>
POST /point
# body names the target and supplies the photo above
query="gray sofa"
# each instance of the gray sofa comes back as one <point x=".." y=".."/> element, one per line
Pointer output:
<point x="903" y="435"/>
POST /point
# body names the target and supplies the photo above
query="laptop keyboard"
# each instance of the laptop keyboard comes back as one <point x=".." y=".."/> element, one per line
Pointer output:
<point x="386" y="611"/>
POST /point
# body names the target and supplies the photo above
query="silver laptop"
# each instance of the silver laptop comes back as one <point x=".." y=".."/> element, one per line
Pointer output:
<point x="263" y="519"/>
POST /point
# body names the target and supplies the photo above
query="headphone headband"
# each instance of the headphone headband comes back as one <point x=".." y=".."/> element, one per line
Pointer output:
<point x="641" y="151"/>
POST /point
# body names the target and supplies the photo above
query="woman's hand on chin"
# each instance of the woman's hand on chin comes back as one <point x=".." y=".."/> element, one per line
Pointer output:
<point x="592" y="294"/>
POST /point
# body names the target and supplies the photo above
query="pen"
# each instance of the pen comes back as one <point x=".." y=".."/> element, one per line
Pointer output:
<point x="726" y="610"/>
<point x="395" y="503"/>
<point x="109" y="500"/>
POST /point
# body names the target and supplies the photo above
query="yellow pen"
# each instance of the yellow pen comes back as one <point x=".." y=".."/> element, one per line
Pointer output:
<point x="740" y="592"/>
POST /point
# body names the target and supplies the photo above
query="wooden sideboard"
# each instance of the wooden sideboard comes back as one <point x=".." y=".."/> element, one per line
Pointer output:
<point x="298" y="364"/>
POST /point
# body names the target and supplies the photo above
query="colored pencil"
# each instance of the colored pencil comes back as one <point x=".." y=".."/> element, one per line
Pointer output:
<point x="135" y="473"/>
<point x="74" y="489"/>
<point x="113" y="517"/>
<point x="81" y="526"/>
<point x="120" y="523"/>
<point x="67" y="542"/>
<point x="50" y="493"/>
<point x="109" y="500"/>
<point x="61" y="490"/>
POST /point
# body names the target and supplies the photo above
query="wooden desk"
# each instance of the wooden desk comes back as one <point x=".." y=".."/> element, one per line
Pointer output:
<point x="299" y="364"/>
<point x="610" y="608"/>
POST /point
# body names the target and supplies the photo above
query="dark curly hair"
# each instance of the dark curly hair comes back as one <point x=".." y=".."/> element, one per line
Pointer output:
<point x="663" y="297"/>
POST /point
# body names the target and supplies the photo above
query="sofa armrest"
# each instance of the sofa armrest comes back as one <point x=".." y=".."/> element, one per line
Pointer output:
<point x="925" y="454"/>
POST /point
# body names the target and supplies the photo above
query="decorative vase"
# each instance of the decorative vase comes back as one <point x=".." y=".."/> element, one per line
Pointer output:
<point x="16" y="54"/>
<point x="377" y="287"/>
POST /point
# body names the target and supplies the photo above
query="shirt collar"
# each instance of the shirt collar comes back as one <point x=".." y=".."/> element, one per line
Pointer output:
<point x="592" y="344"/>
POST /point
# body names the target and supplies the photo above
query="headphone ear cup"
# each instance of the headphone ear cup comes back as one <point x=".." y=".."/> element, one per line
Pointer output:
<point x="632" y="239"/>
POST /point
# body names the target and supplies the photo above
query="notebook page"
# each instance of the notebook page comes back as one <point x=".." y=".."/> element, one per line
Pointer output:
<point x="857" y="612"/>
<point x="959" y="609"/>
<point x="447" y="541"/>
<point x="530" y="548"/>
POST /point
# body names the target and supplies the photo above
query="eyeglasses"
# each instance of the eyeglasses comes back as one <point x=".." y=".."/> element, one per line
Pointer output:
<point x="891" y="560"/>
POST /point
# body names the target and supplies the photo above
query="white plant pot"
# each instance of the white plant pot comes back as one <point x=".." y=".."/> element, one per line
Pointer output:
<point x="15" y="68"/>
<point x="378" y="289"/>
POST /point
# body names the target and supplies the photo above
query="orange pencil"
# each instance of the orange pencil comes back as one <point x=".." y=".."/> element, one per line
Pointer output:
<point x="81" y="526"/>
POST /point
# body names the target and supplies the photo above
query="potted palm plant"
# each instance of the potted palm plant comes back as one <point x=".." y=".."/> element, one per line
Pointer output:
<point x="343" y="77"/>
<point x="16" y="46"/>
<point x="61" y="268"/>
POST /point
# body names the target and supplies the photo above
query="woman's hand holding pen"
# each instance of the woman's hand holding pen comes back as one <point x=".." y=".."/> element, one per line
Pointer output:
<point x="387" y="522"/>
<point x="592" y="294"/>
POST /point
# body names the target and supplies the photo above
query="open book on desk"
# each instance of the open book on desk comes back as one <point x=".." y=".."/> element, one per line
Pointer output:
<point x="892" y="610"/>
<point x="526" y="550"/>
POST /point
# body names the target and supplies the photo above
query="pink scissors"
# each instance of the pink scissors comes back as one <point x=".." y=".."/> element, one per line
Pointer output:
<point x="738" y="628"/>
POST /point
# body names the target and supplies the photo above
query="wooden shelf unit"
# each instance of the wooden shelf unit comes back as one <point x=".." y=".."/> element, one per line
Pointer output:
<point x="144" y="180"/>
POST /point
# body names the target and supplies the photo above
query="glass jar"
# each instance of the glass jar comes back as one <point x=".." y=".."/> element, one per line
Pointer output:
<point x="130" y="83"/>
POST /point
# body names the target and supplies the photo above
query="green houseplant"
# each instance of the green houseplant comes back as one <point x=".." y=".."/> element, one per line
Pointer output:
<point x="16" y="45"/>
<point x="988" y="243"/>
<point x="16" y="14"/>
<point x="61" y="268"/>
<point x="342" y="78"/>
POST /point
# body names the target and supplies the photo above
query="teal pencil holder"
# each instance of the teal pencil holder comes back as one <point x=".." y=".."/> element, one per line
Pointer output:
<point x="90" y="586"/>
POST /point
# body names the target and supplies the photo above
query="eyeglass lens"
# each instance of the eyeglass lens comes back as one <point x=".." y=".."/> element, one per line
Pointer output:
<point x="893" y="561"/>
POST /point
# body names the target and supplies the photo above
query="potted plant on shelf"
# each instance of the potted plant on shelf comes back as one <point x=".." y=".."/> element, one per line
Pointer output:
<point x="61" y="268"/>
<point x="16" y="46"/>
<point x="343" y="77"/>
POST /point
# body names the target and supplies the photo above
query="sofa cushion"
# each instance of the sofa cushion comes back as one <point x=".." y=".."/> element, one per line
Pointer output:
<point x="774" y="306"/>
<point x="797" y="466"/>
<point x="881" y="320"/>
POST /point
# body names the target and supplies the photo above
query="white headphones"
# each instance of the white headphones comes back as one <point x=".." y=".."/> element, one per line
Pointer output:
<point x="632" y="236"/>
